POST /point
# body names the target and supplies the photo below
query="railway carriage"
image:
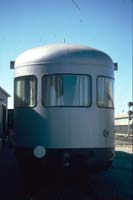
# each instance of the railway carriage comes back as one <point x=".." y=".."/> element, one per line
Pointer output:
<point x="64" y="107"/>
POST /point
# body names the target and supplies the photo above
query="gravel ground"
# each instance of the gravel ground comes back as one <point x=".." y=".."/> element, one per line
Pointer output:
<point x="124" y="148"/>
<point x="123" y="143"/>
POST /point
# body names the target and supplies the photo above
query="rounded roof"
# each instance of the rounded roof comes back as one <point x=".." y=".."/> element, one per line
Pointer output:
<point x="63" y="53"/>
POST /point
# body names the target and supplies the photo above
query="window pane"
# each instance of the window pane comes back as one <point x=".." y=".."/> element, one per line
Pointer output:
<point x="105" y="92"/>
<point x="25" y="91"/>
<point x="66" y="90"/>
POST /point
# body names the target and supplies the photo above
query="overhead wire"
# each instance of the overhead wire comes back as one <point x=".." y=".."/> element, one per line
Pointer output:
<point x="76" y="5"/>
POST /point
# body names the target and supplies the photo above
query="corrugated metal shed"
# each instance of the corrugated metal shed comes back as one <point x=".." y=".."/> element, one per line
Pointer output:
<point x="3" y="111"/>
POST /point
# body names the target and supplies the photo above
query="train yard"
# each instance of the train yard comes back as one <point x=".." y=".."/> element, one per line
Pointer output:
<point x="113" y="184"/>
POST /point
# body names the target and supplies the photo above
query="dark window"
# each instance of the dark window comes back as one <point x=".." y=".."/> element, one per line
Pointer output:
<point x="105" y="87"/>
<point x="66" y="90"/>
<point x="25" y="91"/>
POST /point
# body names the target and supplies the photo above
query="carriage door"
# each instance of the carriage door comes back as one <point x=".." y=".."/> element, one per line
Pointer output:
<point x="4" y="108"/>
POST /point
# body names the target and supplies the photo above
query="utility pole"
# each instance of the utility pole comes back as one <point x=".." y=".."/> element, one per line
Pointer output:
<point x="130" y="118"/>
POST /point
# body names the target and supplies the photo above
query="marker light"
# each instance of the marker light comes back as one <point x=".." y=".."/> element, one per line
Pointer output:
<point x="39" y="151"/>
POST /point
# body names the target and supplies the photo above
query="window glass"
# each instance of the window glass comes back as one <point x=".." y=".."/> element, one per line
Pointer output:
<point x="66" y="90"/>
<point x="25" y="91"/>
<point x="105" y="92"/>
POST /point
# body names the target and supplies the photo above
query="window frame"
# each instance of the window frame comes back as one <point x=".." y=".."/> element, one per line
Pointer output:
<point x="36" y="84"/>
<point x="65" y="106"/>
<point x="102" y="76"/>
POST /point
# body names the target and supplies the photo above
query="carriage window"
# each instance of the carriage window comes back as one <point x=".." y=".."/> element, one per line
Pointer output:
<point x="25" y="91"/>
<point x="105" y="92"/>
<point x="66" y="90"/>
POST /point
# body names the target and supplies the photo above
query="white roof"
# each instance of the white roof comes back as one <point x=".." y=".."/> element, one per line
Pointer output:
<point x="63" y="53"/>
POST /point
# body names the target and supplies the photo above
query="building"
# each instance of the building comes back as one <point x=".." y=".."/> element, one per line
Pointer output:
<point x="121" y="123"/>
<point x="3" y="112"/>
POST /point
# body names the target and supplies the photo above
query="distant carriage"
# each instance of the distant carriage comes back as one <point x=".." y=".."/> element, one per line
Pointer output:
<point x="64" y="107"/>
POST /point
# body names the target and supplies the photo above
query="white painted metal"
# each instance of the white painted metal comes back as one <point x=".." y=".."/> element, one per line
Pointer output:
<point x="70" y="127"/>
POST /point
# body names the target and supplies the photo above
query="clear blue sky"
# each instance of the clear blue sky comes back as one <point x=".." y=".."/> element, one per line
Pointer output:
<point x="102" y="24"/>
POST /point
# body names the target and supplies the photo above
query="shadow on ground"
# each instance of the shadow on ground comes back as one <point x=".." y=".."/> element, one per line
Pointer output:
<point x="113" y="184"/>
